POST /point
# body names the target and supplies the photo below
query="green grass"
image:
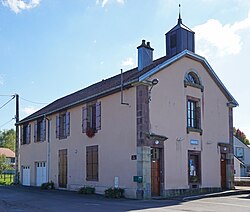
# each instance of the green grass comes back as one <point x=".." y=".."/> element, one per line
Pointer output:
<point x="6" y="179"/>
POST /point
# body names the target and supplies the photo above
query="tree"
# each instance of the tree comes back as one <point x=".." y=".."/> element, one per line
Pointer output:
<point x="8" y="139"/>
<point x="241" y="136"/>
<point x="3" y="164"/>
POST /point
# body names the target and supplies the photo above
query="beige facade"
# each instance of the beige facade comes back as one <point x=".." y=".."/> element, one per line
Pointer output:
<point x="162" y="129"/>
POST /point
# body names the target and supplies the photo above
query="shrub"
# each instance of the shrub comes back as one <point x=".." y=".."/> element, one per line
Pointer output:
<point x="114" y="193"/>
<point x="86" y="190"/>
<point x="48" y="185"/>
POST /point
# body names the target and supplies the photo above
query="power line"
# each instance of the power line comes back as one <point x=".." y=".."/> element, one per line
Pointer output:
<point x="7" y="122"/>
<point x="40" y="103"/>
<point x="6" y="95"/>
<point x="7" y="102"/>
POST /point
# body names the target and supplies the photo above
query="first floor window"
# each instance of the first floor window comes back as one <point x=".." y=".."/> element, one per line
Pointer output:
<point x="194" y="169"/>
<point x="91" y="117"/>
<point x="92" y="163"/>
<point x="63" y="125"/>
<point x="40" y="130"/>
<point x="193" y="113"/>
<point x="25" y="134"/>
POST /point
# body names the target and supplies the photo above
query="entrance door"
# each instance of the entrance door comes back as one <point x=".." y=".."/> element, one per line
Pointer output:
<point x="41" y="174"/>
<point x="62" y="168"/>
<point x="26" y="176"/>
<point x="223" y="171"/>
<point x="155" y="172"/>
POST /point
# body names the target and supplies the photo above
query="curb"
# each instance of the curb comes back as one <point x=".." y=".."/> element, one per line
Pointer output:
<point x="219" y="194"/>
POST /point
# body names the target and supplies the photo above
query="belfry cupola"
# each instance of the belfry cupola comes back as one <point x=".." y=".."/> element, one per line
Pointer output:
<point x="179" y="38"/>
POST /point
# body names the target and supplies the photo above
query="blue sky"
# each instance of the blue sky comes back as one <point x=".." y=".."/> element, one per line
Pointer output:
<point x="51" y="48"/>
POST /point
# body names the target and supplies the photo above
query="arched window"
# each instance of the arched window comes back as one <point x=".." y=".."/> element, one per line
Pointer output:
<point x="192" y="79"/>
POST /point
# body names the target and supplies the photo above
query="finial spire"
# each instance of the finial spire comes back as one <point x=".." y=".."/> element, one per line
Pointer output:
<point x="179" y="20"/>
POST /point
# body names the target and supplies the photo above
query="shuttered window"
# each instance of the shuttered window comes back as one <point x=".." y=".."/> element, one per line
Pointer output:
<point x="92" y="163"/>
<point x="40" y="130"/>
<point x="63" y="125"/>
<point x="91" y="117"/>
<point x="25" y="134"/>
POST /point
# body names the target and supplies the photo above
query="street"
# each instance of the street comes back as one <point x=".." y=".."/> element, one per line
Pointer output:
<point x="34" y="199"/>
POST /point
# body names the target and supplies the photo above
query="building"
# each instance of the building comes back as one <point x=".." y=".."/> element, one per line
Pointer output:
<point x="241" y="159"/>
<point x="9" y="154"/>
<point x="164" y="128"/>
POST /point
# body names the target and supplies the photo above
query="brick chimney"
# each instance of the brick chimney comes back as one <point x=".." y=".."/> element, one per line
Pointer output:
<point x="145" y="55"/>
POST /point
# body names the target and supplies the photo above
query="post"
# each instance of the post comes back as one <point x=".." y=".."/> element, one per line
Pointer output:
<point x="16" y="181"/>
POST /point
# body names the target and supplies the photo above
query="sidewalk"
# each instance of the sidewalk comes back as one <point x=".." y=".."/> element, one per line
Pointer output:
<point x="237" y="191"/>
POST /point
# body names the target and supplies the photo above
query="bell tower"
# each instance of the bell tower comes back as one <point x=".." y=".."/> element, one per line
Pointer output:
<point x="179" y="38"/>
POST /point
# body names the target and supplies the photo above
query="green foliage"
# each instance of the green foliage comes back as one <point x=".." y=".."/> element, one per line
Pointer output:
<point x="241" y="136"/>
<point x="7" y="139"/>
<point x="114" y="193"/>
<point x="86" y="190"/>
<point x="3" y="164"/>
<point x="48" y="185"/>
<point x="6" y="179"/>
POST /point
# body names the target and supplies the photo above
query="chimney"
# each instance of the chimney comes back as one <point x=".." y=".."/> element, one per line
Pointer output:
<point x="145" y="55"/>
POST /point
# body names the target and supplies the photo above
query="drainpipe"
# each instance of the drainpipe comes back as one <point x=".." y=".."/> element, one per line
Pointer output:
<point x="48" y="153"/>
<point x="230" y="164"/>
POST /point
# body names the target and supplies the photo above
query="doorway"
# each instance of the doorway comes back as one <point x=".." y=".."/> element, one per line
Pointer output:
<point x="62" y="168"/>
<point x="223" y="168"/>
<point x="155" y="172"/>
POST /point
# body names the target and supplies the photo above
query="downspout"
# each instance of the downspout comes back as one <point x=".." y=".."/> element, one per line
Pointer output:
<point x="230" y="170"/>
<point x="48" y="149"/>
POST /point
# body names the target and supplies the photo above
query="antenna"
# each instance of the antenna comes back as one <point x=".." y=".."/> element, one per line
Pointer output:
<point x="123" y="103"/>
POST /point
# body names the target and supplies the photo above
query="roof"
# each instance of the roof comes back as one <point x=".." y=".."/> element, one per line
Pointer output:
<point x="7" y="152"/>
<point x="113" y="84"/>
<point x="180" y="25"/>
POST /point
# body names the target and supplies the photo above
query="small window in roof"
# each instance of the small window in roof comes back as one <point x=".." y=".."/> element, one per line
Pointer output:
<point x="192" y="78"/>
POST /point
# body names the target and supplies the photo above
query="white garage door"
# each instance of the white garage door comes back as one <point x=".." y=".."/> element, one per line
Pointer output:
<point x="41" y="173"/>
<point x="26" y="175"/>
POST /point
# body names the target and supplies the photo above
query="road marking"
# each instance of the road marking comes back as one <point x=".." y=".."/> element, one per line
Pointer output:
<point x="228" y="204"/>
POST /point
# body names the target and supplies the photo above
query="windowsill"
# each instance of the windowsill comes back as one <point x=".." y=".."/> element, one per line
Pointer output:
<point x="201" y="87"/>
<point x="92" y="179"/>
<point x="191" y="129"/>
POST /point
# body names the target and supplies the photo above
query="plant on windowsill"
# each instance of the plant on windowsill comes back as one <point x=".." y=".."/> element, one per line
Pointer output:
<point x="90" y="132"/>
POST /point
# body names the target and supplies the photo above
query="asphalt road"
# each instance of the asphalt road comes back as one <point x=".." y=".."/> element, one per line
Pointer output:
<point x="33" y="199"/>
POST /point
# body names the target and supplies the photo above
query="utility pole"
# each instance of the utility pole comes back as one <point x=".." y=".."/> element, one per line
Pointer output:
<point x="17" y="141"/>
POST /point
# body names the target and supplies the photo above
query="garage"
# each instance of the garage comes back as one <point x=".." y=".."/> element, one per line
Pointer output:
<point x="26" y="175"/>
<point x="41" y="173"/>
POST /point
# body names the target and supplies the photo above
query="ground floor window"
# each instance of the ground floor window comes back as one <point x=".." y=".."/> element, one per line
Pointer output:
<point x="92" y="163"/>
<point x="194" y="167"/>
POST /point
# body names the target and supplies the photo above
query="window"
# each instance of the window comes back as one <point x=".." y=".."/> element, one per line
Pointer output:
<point x="91" y="117"/>
<point x="194" y="167"/>
<point x="40" y="130"/>
<point x="63" y="125"/>
<point x="192" y="79"/>
<point x="12" y="160"/>
<point x="25" y="134"/>
<point x="92" y="163"/>
<point x="193" y="114"/>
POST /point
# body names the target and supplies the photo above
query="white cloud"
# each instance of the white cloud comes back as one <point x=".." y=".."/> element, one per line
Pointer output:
<point x="213" y="37"/>
<point x="29" y="110"/>
<point x="128" y="62"/>
<point x="19" y="5"/>
<point x="103" y="3"/>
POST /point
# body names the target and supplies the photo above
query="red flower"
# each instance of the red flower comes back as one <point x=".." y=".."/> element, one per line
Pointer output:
<point x="90" y="132"/>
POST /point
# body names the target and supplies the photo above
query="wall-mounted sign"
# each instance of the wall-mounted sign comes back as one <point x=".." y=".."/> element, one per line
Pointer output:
<point x="194" y="142"/>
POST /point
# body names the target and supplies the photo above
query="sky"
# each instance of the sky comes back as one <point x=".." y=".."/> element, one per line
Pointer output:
<point x="51" y="48"/>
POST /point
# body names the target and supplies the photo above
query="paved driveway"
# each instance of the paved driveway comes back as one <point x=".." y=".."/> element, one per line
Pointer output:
<point x="33" y="199"/>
